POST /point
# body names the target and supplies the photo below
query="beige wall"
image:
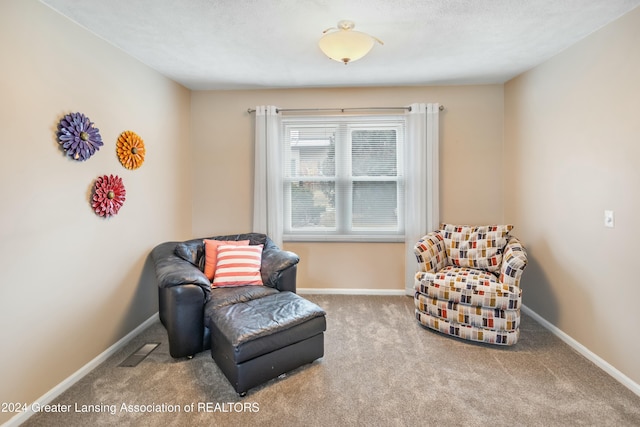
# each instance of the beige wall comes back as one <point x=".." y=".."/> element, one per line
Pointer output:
<point x="471" y="133"/>
<point x="572" y="144"/>
<point x="72" y="284"/>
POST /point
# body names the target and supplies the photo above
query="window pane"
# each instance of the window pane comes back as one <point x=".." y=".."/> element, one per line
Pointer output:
<point x="374" y="152"/>
<point x="375" y="205"/>
<point x="313" y="205"/>
<point x="312" y="151"/>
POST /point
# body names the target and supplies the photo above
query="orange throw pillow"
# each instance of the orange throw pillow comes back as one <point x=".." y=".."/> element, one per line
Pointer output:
<point x="211" y="254"/>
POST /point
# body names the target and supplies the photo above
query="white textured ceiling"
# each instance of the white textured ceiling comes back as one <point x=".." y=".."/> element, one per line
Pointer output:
<point x="234" y="44"/>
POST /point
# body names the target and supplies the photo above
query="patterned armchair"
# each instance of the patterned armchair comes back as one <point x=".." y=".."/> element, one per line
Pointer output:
<point x="468" y="282"/>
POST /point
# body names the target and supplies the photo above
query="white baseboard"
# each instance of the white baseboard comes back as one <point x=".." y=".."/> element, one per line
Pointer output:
<point x="76" y="376"/>
<point x="597" y="360"/>
<point x="328" y="291"/>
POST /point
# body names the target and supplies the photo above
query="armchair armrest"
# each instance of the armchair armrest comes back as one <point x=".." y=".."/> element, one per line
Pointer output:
<point x="171" y="270"/>
<point x="278" y="269"/>
<point x="181" y="311"/>
<point x="514" y="261"/>
<point x="431" y="252"/>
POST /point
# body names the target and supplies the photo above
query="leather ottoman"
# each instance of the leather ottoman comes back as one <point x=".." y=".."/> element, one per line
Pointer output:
<point x="258" y="340"/>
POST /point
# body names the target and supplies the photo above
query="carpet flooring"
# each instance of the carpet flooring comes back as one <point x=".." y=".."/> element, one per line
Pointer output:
<point x="381" y="368"/>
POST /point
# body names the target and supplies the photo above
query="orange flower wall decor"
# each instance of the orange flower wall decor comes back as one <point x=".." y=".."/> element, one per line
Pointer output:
<point x="108" y="195"/>
<point x="130" y="148"/>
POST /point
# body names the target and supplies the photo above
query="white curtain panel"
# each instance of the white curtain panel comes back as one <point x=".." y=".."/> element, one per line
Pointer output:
<point x="267" y="190"/>
<point x="421" y="168"/>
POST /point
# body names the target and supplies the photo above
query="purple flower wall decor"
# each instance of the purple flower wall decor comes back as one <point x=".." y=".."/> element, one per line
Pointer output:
<point x="77" y="136"/>
<point x="108" y="195"/>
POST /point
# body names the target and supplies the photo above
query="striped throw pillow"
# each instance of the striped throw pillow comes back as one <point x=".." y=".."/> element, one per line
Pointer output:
<point x="211" y="254"/>
<point x="238" y="266"/>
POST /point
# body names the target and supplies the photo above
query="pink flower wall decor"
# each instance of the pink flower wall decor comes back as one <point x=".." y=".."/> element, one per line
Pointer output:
<point x="108" y="195"/>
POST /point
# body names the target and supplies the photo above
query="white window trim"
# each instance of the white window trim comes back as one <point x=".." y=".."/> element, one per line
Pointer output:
<point x="342" y="232"/>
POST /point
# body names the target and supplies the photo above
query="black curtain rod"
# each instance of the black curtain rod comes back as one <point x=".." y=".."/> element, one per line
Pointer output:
<point x="278" y="110"/>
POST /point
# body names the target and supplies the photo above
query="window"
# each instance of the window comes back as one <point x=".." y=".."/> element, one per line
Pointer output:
<point x="348" y="178"/>
<point x="343" y="178"/>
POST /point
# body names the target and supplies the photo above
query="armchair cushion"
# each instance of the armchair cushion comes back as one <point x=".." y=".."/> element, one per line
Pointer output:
<point x="468" y="286"/>
<point x="237" y="294"/>
<point x="475" y="246"/>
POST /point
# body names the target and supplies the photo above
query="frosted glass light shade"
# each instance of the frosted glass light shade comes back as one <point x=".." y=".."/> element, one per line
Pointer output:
<point x="346" y="45"/>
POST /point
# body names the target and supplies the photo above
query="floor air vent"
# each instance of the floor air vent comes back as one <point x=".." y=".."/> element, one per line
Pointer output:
<point x="139" y="355"/>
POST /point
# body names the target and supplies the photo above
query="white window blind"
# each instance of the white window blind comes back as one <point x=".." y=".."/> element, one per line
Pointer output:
<point x="343" y="177"/>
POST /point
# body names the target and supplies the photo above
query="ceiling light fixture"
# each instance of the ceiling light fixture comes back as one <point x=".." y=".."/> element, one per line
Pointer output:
<point x="346" y="45"/>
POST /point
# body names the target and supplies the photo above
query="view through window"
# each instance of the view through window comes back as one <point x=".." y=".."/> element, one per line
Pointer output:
<point x="343" y="177"/>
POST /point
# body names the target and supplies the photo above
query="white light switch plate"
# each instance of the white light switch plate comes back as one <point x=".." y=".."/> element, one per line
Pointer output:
<point x="608" y="219"/>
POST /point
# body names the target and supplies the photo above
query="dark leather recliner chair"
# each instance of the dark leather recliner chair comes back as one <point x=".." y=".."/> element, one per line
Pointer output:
<point x="184" y="290"/>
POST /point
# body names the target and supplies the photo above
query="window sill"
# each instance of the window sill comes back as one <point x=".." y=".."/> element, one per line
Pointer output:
<point x="343" y="238"/>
